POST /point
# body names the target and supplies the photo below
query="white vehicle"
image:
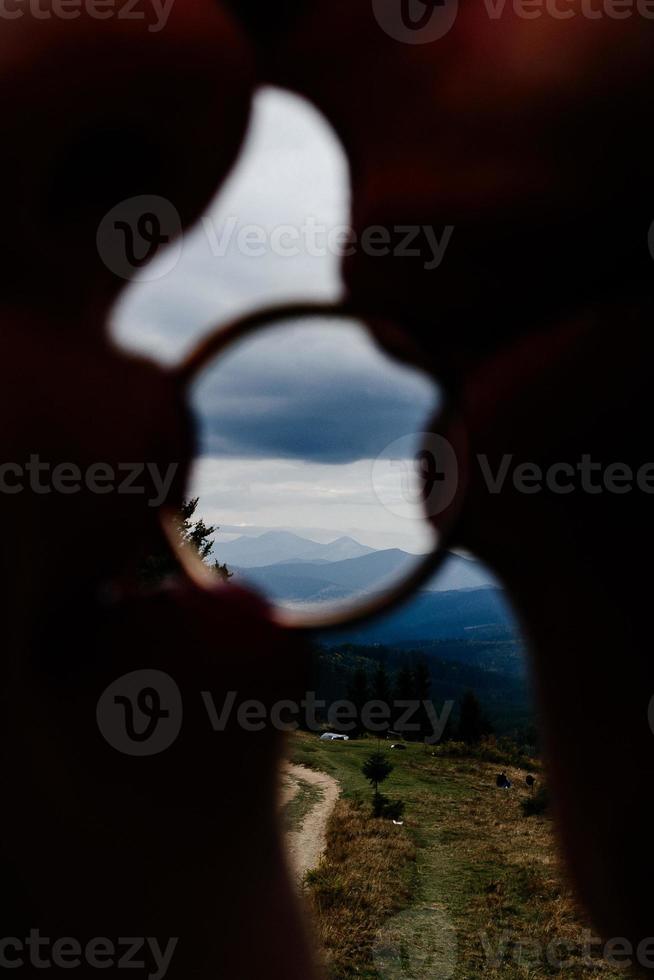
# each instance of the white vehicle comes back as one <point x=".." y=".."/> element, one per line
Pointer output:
<point x="332" y="737"/>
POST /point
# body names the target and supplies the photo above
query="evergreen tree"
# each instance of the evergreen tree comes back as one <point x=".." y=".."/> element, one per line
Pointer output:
<point x="376" y="769"/>
<point x="381" y="685"/>
<point x="381" y="691"/>
<point x="421" y="681"/>
<point x="473" y="724"/>
<point x="194" y="534"/>
<point x="422" y="693"/>
<point x="402" y="692"/>
<point x="404" y="683"/>
<point x="358" y="694"/>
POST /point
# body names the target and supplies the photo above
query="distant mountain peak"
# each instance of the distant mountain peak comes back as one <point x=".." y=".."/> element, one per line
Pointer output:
<point x="281" y="546"/>
<point x="280" y="535"/>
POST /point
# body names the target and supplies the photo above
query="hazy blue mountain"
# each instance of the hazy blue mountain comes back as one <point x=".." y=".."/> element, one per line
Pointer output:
<point x="276" y="547"/>
<point x="466" y="614"/>
<point x="461" y="598"/>
<point x="291" y="578"/>
<point x="292" y="586"/>
<point x="367" y="573"/>
<point x="458" y="572"/>
<point x="343" y="549"/>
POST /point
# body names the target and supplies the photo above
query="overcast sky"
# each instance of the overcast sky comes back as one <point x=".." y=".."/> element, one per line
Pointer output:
<point x="291" y="424"/>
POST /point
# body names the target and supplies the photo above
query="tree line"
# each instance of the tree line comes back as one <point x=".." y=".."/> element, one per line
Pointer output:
<point x="412" y="683"/>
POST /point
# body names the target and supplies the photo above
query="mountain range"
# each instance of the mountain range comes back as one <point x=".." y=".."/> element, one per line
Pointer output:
<point x="276" y="547"/>
<point x="291" y="568"/>
<point x="482" y="615"/>
<point x="462" y="600"/>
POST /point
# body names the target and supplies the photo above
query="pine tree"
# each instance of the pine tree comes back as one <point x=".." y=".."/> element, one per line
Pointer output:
<point x="193" y="534"/>
<point x="357" y="693"/>
<point x="473" y="724"/>
<point x="404" y="683"/>
<point x="381" y="685"/>
<point x="376" y="769"/>
<point x="404" y="692"/>
<point x="422" y="693"/>
<point x="381" y="691"/>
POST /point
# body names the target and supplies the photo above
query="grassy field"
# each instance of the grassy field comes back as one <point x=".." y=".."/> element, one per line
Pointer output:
<point x="467" y="887"/>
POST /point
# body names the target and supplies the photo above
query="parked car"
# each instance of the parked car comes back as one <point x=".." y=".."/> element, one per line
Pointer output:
<point x="332" y="737"/>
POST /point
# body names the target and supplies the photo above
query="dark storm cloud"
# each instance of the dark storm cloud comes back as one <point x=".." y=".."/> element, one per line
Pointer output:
<point x="313" y="398"/>
<point x="314" y="393"/>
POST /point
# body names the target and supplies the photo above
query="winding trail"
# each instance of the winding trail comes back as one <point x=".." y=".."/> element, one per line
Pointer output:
<point x="305" y="846"/>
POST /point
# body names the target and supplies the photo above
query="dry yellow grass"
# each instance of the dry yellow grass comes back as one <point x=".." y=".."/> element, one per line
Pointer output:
<point x="474" y="875"/>
<point x="363" y="879"/>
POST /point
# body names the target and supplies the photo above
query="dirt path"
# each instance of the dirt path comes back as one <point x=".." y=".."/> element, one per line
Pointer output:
<point x="306" y="843"/>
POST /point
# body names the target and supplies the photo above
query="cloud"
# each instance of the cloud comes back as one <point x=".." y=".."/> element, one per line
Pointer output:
<point x="313" y="391"/>
<point x="304" y="496"/>
<point x="296" y="419"/>
<point x="291" y="168"/>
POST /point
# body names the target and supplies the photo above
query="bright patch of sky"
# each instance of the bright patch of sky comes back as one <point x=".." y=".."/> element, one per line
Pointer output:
<point x="291" y="425"/>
